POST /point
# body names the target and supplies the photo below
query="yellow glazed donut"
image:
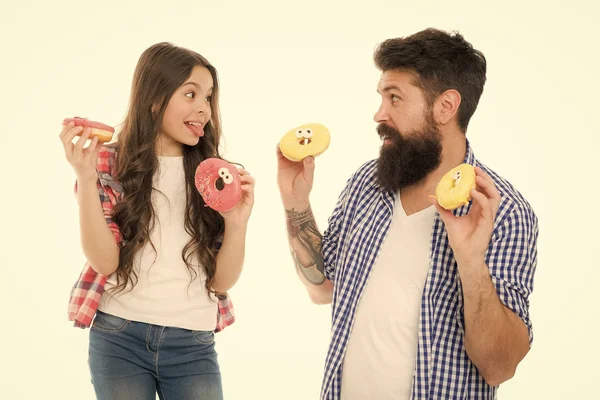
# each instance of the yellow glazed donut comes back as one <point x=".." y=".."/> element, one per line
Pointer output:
<point x="454" y="189"/>
<point x="305" y="140"/>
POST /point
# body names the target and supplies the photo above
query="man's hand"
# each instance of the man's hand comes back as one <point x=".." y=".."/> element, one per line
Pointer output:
<point x="470" y="235"/>
<point x="295" y="180"/>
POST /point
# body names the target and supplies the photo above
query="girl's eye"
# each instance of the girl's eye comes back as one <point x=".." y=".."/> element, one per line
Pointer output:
<point x="208" y="98"/>
<point x="191" y="95"/>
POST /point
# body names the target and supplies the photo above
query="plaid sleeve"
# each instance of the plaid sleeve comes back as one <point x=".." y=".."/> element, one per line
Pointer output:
<point x="85" y="297"/>
<point x="225" y="311"/>
<point x="88" y="289"/>
<point x="332" y="233"/>
<point x="108" y="188"/>
<point x="512" y="260"/>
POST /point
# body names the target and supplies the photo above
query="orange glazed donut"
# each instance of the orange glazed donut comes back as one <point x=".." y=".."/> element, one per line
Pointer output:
<point x="103" y="132"/>
<point x="219" y="184"/>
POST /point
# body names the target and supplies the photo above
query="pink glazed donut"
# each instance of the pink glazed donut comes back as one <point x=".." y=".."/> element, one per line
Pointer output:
<point x="219" y="184"/>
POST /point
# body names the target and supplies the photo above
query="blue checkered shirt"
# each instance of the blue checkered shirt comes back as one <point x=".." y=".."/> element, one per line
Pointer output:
<point x="351" y="242"/>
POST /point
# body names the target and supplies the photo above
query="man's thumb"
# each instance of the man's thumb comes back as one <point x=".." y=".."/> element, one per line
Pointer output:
<point x="309" y="167"/>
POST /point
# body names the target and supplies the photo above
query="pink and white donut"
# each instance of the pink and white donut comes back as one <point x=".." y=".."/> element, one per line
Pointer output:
<point x="102" y="131"/>
<point x="219" y="184"/>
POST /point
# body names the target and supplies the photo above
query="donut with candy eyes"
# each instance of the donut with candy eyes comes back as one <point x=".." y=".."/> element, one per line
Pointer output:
<point x="454" y="189"/>
<point x="305" y="140"/>
<point x="218" y="182"/>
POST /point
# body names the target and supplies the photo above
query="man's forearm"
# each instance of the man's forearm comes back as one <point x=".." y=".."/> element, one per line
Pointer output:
<point x="305" y="241"/>
<point x="305" y="245"/>
<point x="496" y="339"/>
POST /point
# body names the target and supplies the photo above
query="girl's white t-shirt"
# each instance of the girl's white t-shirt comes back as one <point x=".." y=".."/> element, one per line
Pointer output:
<point x="165" y="293"/>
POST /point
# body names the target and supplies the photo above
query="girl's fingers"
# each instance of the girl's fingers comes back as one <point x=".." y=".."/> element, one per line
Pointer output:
<point x="78" y="149"/>
<point x="65" y="129"/>
<point x="247" y="179"/>
<point x="67" y="140"/>
<point x="93" y="148"/>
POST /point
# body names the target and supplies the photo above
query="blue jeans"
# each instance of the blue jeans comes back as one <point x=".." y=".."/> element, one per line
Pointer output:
<point x="134" y="361"/>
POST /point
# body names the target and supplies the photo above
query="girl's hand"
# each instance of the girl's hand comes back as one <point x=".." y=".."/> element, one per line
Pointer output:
<point x="82" y="160"/>
<point x="240" y="214"/>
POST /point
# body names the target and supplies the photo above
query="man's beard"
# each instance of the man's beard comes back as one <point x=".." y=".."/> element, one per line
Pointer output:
<point x="409" y="157"/>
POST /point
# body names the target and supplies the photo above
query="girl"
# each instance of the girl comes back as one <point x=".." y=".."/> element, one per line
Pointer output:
<point x="159" y="263"/>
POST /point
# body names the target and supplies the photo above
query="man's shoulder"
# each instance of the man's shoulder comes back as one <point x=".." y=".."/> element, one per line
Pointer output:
<point x="512" y="200"/>
<point x="366" y="173"/>
<point x="361" y="185"/>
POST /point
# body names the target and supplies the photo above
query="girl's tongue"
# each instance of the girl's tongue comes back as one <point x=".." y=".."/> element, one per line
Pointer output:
<point x="197" y="130"/>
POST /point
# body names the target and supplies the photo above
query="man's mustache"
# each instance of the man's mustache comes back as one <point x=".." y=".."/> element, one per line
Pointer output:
<point x="387" y="132"/>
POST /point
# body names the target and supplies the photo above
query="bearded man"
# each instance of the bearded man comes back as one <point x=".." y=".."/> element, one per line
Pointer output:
<point x="426" y="303"/>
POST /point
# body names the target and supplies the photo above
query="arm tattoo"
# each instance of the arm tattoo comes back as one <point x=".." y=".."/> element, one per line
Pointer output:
<point x="303" y="232"/>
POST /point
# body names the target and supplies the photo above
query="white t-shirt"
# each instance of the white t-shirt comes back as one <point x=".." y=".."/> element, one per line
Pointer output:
<point x="380" y="358"/>
<point x="163" y="294"/>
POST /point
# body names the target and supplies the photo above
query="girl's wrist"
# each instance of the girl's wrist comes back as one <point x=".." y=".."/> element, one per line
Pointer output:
<point x="237" y="226"/>
<point x="87" y="181"/>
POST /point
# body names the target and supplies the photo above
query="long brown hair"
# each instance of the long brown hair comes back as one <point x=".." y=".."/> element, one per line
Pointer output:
<point x="161" y="69"/>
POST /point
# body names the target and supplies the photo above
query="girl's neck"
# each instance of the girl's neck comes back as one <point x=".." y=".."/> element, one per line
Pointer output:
<point x="169" y="155"/>
<point x="166" y="147"/>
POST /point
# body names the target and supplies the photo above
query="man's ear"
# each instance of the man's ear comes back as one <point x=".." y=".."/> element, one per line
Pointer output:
<point x="447" y="106"/>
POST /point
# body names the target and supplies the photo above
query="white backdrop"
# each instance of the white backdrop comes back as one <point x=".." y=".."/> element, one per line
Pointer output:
<point x="283" y="64"/>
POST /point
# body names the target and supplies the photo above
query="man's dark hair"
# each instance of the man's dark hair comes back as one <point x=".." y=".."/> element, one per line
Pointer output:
<point x="440" y="61"/>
